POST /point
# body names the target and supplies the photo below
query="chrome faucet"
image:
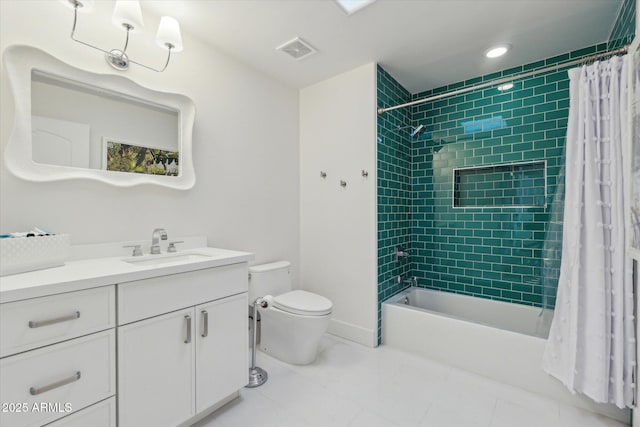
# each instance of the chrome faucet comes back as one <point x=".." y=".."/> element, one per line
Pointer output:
<point x="407" y="280"/>
<point x="158" y="234"/>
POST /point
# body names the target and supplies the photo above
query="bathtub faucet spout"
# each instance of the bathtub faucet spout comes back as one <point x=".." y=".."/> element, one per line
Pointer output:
<point x="407" y="281"/>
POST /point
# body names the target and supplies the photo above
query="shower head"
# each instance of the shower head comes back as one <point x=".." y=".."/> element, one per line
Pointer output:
<point x="417" y="131"/>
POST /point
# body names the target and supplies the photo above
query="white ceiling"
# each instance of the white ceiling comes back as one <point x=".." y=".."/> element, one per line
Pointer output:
<point x="422" y="43"/>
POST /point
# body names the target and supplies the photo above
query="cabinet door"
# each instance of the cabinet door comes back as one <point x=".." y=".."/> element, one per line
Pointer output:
<point x="222" y="365"/>
<point x="156" y="371"/>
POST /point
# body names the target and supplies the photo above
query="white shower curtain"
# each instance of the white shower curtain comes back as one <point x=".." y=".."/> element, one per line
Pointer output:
<point x="591" y="345"/>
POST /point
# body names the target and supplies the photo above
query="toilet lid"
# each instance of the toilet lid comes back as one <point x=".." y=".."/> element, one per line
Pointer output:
<point x="304" y="303"/>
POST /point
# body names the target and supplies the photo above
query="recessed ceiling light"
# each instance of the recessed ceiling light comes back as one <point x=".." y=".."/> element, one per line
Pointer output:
<point x="505" y="86"/>
<point x="497" y="51"/>
<point x="352" y="6"/>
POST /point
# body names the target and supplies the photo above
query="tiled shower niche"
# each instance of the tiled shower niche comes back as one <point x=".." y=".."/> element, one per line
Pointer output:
<point x="521" y="185"/>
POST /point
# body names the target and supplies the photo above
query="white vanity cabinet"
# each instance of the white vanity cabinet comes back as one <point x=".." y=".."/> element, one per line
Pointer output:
<point x="181" y="344"/>
<point x="111" y="341"/>
<point x="58" y="356"/>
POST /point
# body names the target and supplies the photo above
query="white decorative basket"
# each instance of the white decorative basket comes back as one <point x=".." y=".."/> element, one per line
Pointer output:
<point x="21" y="254"/>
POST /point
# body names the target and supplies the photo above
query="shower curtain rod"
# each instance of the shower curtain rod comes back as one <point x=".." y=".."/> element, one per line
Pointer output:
<point x="502" y="80"/>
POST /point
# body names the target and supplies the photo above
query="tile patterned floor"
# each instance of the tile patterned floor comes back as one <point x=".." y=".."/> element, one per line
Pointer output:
<point x="353" y="386"/>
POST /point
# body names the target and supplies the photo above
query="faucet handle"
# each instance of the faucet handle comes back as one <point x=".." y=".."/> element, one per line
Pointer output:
<point x="161" y="232"/>
<point x="137" y="249"/>
<point x="172" y="246"/>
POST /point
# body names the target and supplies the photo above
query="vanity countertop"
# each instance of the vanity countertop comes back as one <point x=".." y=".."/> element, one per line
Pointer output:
<point x="91" y="273"/>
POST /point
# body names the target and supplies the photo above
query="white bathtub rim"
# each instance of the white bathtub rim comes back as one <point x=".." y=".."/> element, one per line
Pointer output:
<point x="395" y="300"/>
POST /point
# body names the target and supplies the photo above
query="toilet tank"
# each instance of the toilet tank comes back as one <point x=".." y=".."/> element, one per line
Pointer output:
<point x="269" y="279"/>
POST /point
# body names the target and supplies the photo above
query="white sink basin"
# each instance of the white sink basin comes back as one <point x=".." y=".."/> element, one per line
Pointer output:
<point x="164" y="259"/>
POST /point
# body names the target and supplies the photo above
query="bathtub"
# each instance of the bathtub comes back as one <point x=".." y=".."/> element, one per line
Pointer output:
<point x="497" y="340"/>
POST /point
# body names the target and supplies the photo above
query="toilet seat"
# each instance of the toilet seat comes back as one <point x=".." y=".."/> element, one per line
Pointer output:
<point x="303" y="303"/>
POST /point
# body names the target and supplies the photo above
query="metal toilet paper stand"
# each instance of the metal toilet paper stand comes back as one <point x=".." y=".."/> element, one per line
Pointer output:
<point x="257" y="375"/>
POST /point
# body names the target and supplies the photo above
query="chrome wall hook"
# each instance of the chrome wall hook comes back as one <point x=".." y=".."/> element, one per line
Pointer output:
<point x="323" y="174"/>
<point x="343" y="184"/>
<point x="365" y="173"/>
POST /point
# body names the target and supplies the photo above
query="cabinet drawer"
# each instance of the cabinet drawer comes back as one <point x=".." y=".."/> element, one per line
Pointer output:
<point x="102" y="414"/>
<point x="73" y="374"/>
<point x="150" y="297"/>
<point x="36" y="322"/>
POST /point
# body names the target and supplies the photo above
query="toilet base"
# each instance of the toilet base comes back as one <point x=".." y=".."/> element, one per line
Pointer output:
<point x="291" y="338"/>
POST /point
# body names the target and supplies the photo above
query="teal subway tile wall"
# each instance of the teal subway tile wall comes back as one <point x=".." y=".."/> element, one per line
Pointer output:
<point x="514" y="137"/>
<point x="394" y="185"/>
<point x="624" y="28"/>
<point x="507" y="253"/>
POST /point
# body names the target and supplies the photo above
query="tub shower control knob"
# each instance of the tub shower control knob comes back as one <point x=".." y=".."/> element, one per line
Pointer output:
<point x="401" y="253"/>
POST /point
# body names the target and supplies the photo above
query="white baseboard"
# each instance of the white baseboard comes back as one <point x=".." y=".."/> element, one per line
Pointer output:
<point x="355" y="333"/>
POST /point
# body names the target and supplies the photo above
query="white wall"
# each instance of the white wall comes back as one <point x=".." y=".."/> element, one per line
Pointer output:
<point x="245" y="144"/>
<point x="338" y="243"/>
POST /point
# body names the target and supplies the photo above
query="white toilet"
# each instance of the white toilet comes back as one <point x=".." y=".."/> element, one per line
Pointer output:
<point x="293" y="324"/>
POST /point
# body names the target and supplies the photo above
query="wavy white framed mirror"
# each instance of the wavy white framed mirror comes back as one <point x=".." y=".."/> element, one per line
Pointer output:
<point x="72" y="123"/>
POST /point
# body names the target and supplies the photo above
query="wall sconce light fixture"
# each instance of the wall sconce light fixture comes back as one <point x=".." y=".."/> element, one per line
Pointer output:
<point x="128" y="16"/>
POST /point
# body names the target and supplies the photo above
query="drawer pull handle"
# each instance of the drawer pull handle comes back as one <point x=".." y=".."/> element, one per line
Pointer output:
<point x="205" y="323"/>
<point x="38" y="390"/>
<point x="39" y="323"/>
<point x="188" y="319"/>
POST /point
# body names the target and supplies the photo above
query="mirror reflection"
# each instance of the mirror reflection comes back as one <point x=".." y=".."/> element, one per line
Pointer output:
<point x="81" y="126"/>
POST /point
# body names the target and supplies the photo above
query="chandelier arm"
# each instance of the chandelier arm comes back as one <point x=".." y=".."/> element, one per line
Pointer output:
<point x="126" y="42"/>
<point x="73" y="30"/>
<point x="154" y="69"/>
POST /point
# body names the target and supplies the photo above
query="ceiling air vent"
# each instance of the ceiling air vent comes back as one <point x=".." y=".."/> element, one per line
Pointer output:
<point x="297" y="48"/>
